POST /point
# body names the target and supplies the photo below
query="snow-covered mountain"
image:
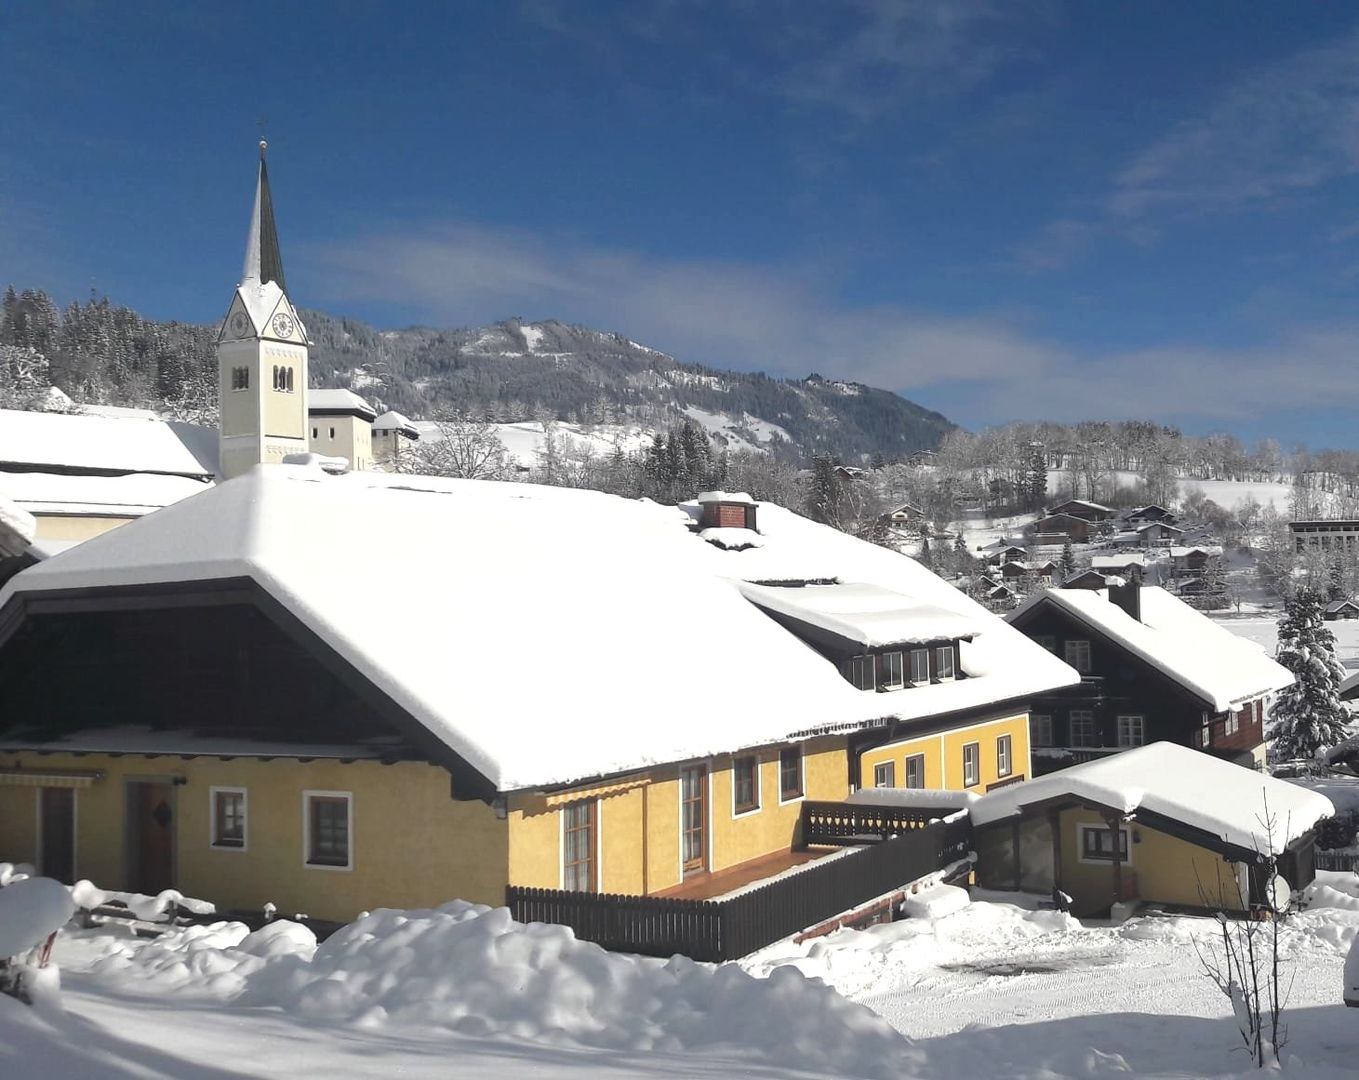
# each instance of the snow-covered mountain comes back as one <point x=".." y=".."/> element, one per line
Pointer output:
<point x="516" y="371"/>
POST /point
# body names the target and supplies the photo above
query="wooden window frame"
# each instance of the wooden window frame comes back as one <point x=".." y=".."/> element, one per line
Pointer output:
<point x="703" y="800"/>
<point x="1141" y="729"/>
<point x="887" y="769"/>
<point x="308" y="798"/>
<point x="214" y="819"/>
<point x="1093" y="739"/>
<point x="1084" y="854"/>
<point x="1038" y="722"/>
<point x="786" y="796"/>
<point x="887" y="682"/>
<point x="916" y="653"/>
<point x="738" y="763"/>
<point x="1082" y="646"/>
<point x="592" y="848"/>
<point x="1005" y="755"/>
<point x="975" y="756"/>
<point x="920" y="758"/>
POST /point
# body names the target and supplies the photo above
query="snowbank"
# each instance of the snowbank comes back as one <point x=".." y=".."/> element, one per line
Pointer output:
<point x="474" y="970"/>
<point x="935" y="902"/>
<point x="30" y="910"/>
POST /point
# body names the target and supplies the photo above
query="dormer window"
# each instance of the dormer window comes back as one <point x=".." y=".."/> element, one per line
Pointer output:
<point x="943" y="663"/>
<point x="860" y="671"/>
<point x="893" y="670"/>
<point x="920" y="667"/>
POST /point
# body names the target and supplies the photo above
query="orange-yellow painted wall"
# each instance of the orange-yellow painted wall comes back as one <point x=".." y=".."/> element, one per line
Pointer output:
<point x="943" y="753"/>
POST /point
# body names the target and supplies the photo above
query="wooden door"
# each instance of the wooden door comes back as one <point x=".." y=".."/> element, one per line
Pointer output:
<point x="152" y="833"/>
<point x="694" y="819"/>
<point x="56" y="810"/>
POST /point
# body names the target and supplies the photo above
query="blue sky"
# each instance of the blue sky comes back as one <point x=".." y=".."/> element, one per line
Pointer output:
<point x="1008" y="210"/>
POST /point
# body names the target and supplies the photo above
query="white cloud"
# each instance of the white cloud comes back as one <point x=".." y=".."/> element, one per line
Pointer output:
<point x="751" y="317"/>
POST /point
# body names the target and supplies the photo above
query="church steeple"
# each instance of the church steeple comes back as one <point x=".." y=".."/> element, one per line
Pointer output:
<point x="261" y="353"/>
<point x="263" y="260"/>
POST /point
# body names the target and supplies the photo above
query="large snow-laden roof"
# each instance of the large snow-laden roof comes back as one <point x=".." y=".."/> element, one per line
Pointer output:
<point x="75" y="442"/>
<point x="544" y="657"/>
<point x="1180" y="783"/>
<point x="867" y="614"/>
<point x="1190" y="648"/>
<point x="65" y="493"/>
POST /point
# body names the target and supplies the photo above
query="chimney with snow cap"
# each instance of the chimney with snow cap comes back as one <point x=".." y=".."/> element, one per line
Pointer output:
<point x="1128" y="595"/>
<point x="726" y="510"/>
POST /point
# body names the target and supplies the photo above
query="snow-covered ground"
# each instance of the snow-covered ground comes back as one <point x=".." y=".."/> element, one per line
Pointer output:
<point x="994" y="989"/>
<point x="1264" y="631"/>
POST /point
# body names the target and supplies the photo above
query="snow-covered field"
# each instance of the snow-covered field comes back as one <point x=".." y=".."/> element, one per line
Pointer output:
<point x="1264" y="631"/>
<point x="995" y="989"/>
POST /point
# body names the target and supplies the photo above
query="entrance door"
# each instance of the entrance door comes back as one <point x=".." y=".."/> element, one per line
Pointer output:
<point x="56" y="814"/>
<point x="151" y="829"/>
<point x="694" y="819"/>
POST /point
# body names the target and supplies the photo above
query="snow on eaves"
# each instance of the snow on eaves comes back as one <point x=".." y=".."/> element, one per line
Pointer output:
<point x="543" y="656"/>
<point x="1187" y="646"/>
<point x="335" y="399"/>
<point x="72" y="441"/>
<point x="63" y="493"/>
<point x="863" y="613"/>
<point x="1178" y="782"/>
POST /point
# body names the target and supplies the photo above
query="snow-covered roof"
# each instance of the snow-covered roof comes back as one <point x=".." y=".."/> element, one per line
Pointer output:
<point x="1202" y="549"/>
<point x="1117" y="562"/>
<point x="732" y="539"/>
<point x="1177" y="782"/>
<point x="116" y="496"/>
<point x="644" y="629"/>
<point x="1158" y="525"/>
<point x="74" y="442"/>
<point x="338" y="400"/>
<point x="1340" y="605"/>
<point x="144" y="740"/>
<point x="392" y="420"/>
<point x="1082" y="502"/>
<point x="866" y="614"/>
<point x="1187" y="646"/>
<point x="725" y="497"/>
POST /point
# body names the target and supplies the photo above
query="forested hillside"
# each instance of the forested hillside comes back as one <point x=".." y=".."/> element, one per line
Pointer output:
<point x="510" y="371"/>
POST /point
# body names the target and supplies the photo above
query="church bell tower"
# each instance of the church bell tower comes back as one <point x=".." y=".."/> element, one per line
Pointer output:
<point x="261" y="354"/>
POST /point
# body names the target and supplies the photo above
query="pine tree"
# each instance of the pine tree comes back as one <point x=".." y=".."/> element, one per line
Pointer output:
<point x="1068" y="560"/>
<point x="1307" y="716"/>
<point x="824" y="495"/>
<point x="1037" y="476"/>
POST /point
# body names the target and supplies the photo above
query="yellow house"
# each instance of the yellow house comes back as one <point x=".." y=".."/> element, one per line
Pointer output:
<point x="1160" y="824"/>
<point x="331" y="693"/>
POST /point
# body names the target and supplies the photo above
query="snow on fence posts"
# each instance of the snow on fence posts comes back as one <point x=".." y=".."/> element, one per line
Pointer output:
<point x="718" y="930"/>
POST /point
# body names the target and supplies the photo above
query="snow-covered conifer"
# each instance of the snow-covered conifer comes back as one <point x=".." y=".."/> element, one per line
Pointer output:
<point x="1308" y="716"/>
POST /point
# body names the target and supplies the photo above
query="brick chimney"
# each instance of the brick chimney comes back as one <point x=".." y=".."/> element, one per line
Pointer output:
<point x="1128" y="596"/>
<point x="726" y="510"/>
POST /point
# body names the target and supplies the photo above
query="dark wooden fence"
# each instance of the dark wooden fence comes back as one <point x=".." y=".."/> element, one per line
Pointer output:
<point x="842" y="823"/>
<point x="1337" y="860"/>
<point x="717" y="930"/>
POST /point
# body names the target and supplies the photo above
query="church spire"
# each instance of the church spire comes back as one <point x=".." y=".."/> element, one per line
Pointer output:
<point x="263" y="261"/>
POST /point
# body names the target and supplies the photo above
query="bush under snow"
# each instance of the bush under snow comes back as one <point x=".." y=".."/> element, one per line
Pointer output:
<point x="474" y="970"/>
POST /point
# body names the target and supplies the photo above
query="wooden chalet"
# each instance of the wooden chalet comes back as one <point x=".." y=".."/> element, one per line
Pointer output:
<point x="1342" y="609"/>
<point x="1080" y="508"/>
<point x="1087" y="579"/>
<point x="1152" y="669"/>
<point x="1057" y="528"/>
<point x="1144" y="514"/>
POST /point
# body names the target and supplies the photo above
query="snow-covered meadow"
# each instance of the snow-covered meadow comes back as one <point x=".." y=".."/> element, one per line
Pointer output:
<point x="990" y="988"/>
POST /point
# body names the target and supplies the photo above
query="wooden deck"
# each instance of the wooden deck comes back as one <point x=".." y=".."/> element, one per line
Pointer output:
<point x="705" y="886"/>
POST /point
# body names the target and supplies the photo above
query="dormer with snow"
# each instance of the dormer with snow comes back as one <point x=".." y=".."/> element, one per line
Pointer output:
<point x="261" y="354"/>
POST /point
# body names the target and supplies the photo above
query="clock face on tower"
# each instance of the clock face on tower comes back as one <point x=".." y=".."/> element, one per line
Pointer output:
<point x="283" y="324"/>
<point x="240" y="325"/>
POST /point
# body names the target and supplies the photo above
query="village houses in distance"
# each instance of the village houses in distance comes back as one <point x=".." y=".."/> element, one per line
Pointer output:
<point x="263" y="664"/>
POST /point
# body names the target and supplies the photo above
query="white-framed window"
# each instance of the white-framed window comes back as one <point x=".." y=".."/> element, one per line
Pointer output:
<point x="328" y="830"/>
<point x="943" y="662"/>
<point x="580" y="863"/>
<point x="1097" y="845"/>
<point x="1040" y="727"/>
<point x="920" y="667"/>
<point x="1082" y="727"/>
<point x="790" y="774"/>
<point x="971" y="764"/>
<point x="1004" y="756"/>
<point x="227" y="818"/>
<point x="885" y="774"/>
<point x="859" y="670"/>
<point x="1132" y="731"/>
<point x="915" y="771"/>
<point x="1232" y="724"/>
<point x="893" y="670"/>
<point x="745" y="785"/>
<point x="1077" y="654"/>
<point x="1205" y="734"/>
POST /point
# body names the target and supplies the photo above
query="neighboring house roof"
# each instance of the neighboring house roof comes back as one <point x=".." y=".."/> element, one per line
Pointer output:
<point x="1349" y="686"/>
<point x="1201" y="549"/>
<point x="1082" y="503"/>
<point x="1185" y="785"/>
<point x="104" y="446"/>
<point x="394" y="421"/>
<point x="64" y="494"/>
<point x="17" y="528"/>
<point x="1341" y="605"/>
<point x="865" y="614"/>
<point x="1150" y="508"/>
<point x="1158" y="525"/>
<point x="1086" y="578"/>
<point x="334" y="402"/>
<point x="1187" y="646"/>
<point x="646" y="651"/>
<point x="1117" y="562"/>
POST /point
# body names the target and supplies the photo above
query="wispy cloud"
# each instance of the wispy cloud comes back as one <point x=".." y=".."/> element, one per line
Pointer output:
<point x="789" y="323"/>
